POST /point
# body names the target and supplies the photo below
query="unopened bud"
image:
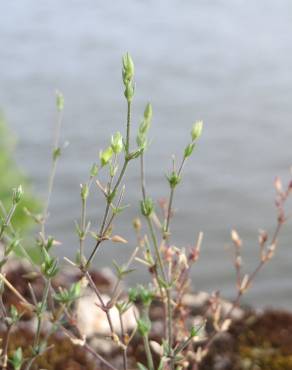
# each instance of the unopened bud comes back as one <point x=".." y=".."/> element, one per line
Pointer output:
<point x="94" y="170"/>
<point x="17" y="194"/>
<point x="148" y="112"/>
<point x="197" y="130"/>
<point x="128" y="68"/>
<point x="84" y="191"/>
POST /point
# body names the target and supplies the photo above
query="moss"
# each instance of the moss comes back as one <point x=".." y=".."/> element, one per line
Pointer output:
<point x="267" y="342"/>
<point x="257" y="342"/>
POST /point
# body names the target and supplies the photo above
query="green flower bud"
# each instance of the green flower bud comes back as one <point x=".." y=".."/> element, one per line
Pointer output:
<point x="189" y="150"/>
<point x="50" y="265"/>
<point x="146" y="295"/>
<point x="128" y="68"/>
<point x="173" y="179"/>
<point x="106" y="156"/>
<point x="133" y="295"/>
<point x="94" y="170"/>
<point x="84" y="191"/>
<point x="148" y="112"/>
<point x="17" y="194"/>
<point x="197" y="130"/>
<point x="117" y="143"/>
<point x="59" y="101"/>
<point x="144" y="326"/>
<point x="147" y="207"/>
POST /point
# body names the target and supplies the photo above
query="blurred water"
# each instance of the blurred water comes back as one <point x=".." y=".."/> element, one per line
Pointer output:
<point x="227" y="62"/>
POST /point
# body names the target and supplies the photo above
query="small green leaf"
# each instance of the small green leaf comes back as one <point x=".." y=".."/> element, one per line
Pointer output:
<point x="141" y="366"/>
<point x="17" y="359"/>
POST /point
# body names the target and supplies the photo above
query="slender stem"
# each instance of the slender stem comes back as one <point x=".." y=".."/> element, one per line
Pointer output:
<point x="39" y="316"/>
<point x="83" y="221"/>
<point x="103" y="226"/>
<point x="99" y="357"/>
<point x="5" y="347"/>
<point x="30" y="362"/>
<point x="7" y="221"/>
<point x="122" y="173"/>
<point x="250" y="280"/>
<point x="170" y="201"/>
<point x="148" y="352"/>
<point x="103" y="305"/>
<point x="12" y="288"/>
<point x="128" y="128"/>
<point x="158" y="256"/>
<point x="168" y="213"/>
<point x="124" y="348"/>
<point x="53" y="171"/>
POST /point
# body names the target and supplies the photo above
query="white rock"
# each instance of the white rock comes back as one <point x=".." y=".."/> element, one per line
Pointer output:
<point x="92" y="320"/>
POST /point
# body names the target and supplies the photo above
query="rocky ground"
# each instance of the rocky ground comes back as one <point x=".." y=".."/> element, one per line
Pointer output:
<point x="256" y="340"/>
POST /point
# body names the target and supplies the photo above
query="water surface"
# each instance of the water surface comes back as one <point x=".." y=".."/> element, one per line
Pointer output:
<point x="227" y="62"/>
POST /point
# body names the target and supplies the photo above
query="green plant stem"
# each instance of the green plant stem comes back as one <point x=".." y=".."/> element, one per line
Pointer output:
<point x="104" y="228"/>
<point x="53" y="172"/>
<point x="170" y="202"/>
<point x="7" y="221"/>
<point x="83" y="220"/>
<point x="124" y="348"/>
<point x="101" y="301"/>
<point x="39" y="324"/>
<point x="128" y="128"/>
<point x="5" y="224"/>
<point x="148" y="352"/>
<point x="159" y="259"/>
<point x="122" y="173"/>
<point x="115" y="293"/>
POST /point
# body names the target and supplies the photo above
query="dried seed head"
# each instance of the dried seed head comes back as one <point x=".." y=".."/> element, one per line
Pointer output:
<point x="118" y="239"/>
<point x="137" y="224"/>
<point x="278" y="185"/>
<point x="244" y="285"/>
<point x="235" y="238"/>
<point x="263" y="237"/>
